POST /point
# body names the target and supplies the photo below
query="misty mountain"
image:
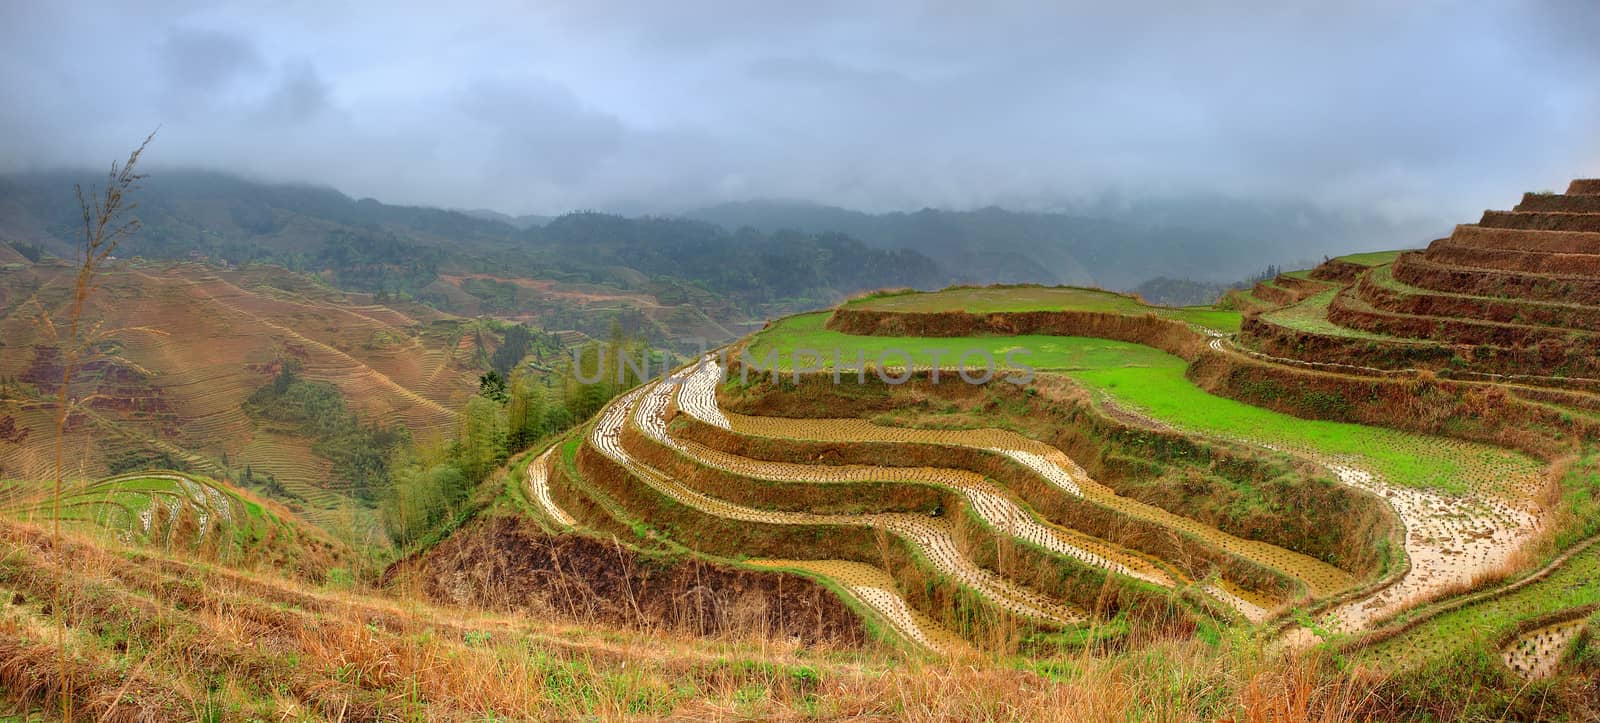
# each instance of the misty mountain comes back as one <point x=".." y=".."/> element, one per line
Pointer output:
<point x="371" y="246"/>
<point x="524" y="222"/>
<point x="1113" y="243"/>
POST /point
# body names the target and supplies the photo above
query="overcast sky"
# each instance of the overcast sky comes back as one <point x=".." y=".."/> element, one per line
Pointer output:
<point x="1437" y="109"/>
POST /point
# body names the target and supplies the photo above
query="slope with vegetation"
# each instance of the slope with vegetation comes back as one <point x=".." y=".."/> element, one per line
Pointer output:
<point x="1143" y="512"/>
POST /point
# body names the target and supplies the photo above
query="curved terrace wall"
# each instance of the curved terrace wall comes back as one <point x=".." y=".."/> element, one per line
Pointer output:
<point x="935" y="595"/>
<point x="1541" y="221"/>
<point x="1420" y="271"/>
<point x="1183" y="553"/>
<point x="1334" y="270"/>
<point x="1532" y="262"/>
<point x="1537" y="241"/>
<point x="1275" y="294"/>
<point x="1476" y="412"/>
<point x="1351" y="313"/>
<point x="1087" y="587"/>
<point x="1558" y="203"/>
<point x="1198" y="480"/>
<point x="1424" y="302"/>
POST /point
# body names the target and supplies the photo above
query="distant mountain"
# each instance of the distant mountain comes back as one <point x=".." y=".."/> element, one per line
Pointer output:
<point x="366" y="245"/>
<point x="1112" y="243"/>
<point x="524" y="222"/>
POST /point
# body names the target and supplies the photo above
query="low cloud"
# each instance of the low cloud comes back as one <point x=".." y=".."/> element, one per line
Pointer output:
<point x="1431" y="109"/>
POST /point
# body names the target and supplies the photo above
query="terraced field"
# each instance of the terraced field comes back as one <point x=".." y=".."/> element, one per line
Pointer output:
<point x="1467" y="507"/>
<point x="932" y="537"/>
<point x="1566" y="594"/>
<point x="1041" y="298"/>
<point x="196" y="344"/>
<point x="1536" y="653"/>
<point x="177" y="512"/>
<point x="1516" y="294"/>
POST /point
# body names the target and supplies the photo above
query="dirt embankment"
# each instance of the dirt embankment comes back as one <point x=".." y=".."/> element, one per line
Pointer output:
<point x="1336" y="271"/>
<point x="1274" y="293"/>
<point x="936" y="595"/>
<point x="1205" y="482"/>
<point x="507" y="563"/>
<point x="1351" y="313"/>
<point x="1422" y="271"/>
<point x="1530" y="262"/>
<point x="1545" y="358"/>
<point x="1189" y="556"/>
<point x="1541" y="221"/>
<point x="1504" y="311"/>
<point x="1476" y="412"/>
<point x="1557" y="203"/>
<point x="1539" y="241"/>
<point x="1173" y="337"/>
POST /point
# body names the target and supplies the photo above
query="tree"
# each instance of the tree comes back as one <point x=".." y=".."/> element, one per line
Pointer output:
<point x="483" y="438"/>
<point x="526" y="415"/>
<point x="493" y="386"/>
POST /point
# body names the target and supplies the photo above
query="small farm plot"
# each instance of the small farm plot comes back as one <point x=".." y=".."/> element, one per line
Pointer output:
<point x="156" y="507"/>
<point x="805" y="340"/>
<point x="1485" y="624"/>
<point x="1043" y="298"/>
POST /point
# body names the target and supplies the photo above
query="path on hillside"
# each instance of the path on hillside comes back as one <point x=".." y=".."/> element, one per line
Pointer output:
<point x="698" y="399"/>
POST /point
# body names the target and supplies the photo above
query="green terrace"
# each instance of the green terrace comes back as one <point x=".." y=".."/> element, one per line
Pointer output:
<point x="996" y="299"/>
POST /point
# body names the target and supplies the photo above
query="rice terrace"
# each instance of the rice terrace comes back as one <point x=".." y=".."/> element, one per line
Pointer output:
<point x="812" y="363"/>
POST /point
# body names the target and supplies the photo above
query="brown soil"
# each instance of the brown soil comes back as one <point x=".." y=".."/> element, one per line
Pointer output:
<point x="1349" y="311"/>
<point x="1337" y="271"/>
<point x="942" y="599"/>
<point x="1476" y="412"/>
<point x="1540" y="221"/>
<point x="1500" y="310"/>
<point x="1575" y="264"/>
<point x="1421" y="271"/>
<point x="1275" y="294"/>
<point x="1584" y="186"/>
<point x="1559" y="203"/>
<point x="1529" y="240"/>
<point x="506" y="562"/>
<point x="1191" y="557"/>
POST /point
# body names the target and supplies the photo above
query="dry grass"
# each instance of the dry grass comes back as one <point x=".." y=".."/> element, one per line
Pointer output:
<point x="157" y="637"/>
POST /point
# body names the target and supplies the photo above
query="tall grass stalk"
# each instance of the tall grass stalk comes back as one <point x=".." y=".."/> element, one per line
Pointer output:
<point x="107" y="220"/>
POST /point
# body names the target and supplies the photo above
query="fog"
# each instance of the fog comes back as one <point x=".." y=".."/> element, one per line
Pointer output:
<point x="1430" y="110"/>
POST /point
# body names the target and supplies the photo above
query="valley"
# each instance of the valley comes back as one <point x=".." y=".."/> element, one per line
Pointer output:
<point x="1333" y="474"/>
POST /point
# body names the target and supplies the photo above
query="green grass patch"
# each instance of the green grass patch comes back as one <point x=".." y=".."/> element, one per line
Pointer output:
<point x="1311" y="315"/>
<point x="1372" y="258"/>
<point x="1154" y="382"/>
<point x="806" y="332"/>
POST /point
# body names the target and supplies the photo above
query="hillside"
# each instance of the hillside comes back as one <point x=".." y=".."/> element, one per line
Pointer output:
<point x="186" y="347"/>
<point x="707" y="276"/>
<point x="1113" y="243"/>
<point x="1513" y="297"/>
<point x="1153" y="478"/>
<point x="984" y="501"/>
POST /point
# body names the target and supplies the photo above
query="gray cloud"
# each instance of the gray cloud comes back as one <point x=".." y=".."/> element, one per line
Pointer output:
<point x="1431" y="109"/>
